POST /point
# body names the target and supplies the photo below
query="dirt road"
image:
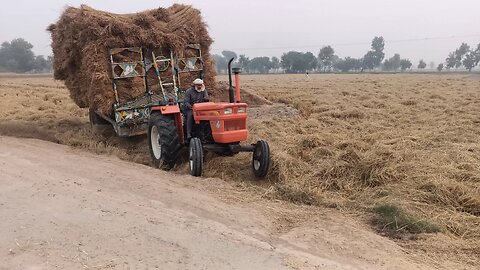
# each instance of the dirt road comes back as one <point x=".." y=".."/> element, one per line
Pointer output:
<point x="66" y="209"/>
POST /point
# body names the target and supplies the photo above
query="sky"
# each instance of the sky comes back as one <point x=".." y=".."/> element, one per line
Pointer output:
<point x="416" y="29"/>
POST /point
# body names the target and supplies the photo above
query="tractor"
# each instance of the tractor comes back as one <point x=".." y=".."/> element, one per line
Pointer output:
<point x="219" y="127"/>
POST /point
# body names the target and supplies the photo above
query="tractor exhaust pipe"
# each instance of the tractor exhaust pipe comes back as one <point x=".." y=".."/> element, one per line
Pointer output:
<point x="231" y="94"/>
<point x="236" y="71"/>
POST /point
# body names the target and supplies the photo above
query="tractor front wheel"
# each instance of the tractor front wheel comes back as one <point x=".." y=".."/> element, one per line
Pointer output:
<point x="163" y="141"/>
<point x="195" y="157"/>
<point x="261" y="159"/>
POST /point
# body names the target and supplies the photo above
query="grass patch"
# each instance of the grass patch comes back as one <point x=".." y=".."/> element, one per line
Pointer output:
<point x="393" y="221"/>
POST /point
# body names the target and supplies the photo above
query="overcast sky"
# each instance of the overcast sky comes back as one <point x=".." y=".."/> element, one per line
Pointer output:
<point x="416" y="29"/>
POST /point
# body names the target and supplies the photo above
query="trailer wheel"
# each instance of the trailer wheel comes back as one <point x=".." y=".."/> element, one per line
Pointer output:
<point x="163" y="141"/>
<point x="195" y="157"/>
<point x="261" y="159"/>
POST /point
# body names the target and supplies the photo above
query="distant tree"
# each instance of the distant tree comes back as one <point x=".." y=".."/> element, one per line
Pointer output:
<point x="432" y="65"/>
<point x="405" y="64"/>
<point x="229" y="55"/>
<point x="469" y="62"/>
<point x="244" y="62"/>
<point x="347" y="64"/>
<point x="49" y="63"/>
<point x="369" y="60"/>
<point x="260" y="64"/>
<point x="440" y="67"/>
<point x="311" y="61"/>
<point x="477" y="55"/>
<point x="421" y="64"/>
<point x="17" y="56"/>
<point x="450" y="60"/>
<point x="375" y="56"/>
<point x="40" y="64"/>
<point x="275" y="63"/>
<point x="220" y="63"/>
<point x="460" y="53"/>
<point x="296" y="62"/>
<point x="393" y="63"/>
<point x="326" y="57"/>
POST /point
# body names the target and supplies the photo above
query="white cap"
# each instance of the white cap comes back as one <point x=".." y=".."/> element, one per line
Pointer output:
<point x="198" y="82"/>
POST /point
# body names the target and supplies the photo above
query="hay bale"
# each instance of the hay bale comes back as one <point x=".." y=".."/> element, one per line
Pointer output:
<point x="82" y="38"/>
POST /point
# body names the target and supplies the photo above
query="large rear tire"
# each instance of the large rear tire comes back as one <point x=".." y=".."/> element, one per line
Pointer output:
<point x="163" y="141"/>
<point x="261" y="159"/>
<point x="195" y="157"/>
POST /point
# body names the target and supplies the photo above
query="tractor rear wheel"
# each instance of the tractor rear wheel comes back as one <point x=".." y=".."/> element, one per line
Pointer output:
<point x="195" y="157"/>
<point x="163" y="141"/>
<point x="261" y="159"/>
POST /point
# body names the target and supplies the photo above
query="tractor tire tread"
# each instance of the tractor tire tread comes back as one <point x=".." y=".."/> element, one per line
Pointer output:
<point x="264" y="161"/>
<point x="170" y="140"/>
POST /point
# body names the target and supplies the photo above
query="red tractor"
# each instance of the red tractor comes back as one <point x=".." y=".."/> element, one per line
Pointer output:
<point x="220" y="127"/>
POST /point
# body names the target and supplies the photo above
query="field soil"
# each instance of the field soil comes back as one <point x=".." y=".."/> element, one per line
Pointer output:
<point x="394" y="156"/>
<point x="68" y="209"/>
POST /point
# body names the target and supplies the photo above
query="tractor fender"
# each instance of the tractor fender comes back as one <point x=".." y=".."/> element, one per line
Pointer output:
<point x="169" y="109"/>
<point x="175" y="111"/>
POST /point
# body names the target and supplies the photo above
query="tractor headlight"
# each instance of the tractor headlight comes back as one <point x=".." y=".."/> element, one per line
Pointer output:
<point x="228" y="111"/>
<point x="242" y="109"/>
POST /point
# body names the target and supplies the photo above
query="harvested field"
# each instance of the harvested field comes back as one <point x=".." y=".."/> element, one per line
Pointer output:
<point x="399" y="152"/>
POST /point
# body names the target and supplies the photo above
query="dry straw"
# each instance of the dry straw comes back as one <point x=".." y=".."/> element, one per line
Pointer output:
<point x="82" y="38"/>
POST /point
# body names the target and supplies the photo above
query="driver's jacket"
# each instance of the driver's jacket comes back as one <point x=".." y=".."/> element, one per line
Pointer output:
<point x="192" y="97"/>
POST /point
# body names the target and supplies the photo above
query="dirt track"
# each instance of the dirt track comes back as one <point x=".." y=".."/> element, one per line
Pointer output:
<point x="67" y="209"/>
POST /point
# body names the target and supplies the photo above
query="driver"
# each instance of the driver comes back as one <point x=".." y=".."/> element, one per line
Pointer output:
<point x="195" y="94"/>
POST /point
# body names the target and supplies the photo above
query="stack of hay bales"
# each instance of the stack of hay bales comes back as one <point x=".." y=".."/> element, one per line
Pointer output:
<point x="82" y="39"/>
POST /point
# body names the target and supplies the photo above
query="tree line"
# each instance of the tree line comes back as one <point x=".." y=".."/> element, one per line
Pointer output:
<point x="327" y="61"/>
<point x="17" y="56"/>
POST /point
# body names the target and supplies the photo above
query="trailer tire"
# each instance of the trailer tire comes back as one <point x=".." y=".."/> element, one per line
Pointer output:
<point x="261" y="159"/>
<point x="163" y="141"/>
<point x="195" y="157"/>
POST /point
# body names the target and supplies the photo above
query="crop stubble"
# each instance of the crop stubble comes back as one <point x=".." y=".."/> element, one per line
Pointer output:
<point x="353" y="142"/>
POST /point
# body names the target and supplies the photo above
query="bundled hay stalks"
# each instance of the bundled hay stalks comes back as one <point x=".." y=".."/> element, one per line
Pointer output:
<point x="82" y="38"/>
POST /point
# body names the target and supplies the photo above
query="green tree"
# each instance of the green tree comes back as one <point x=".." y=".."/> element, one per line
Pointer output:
<point x="348" y="64"/>
<point x="260" y="64"/>
<point x="440" y="67"/>
<point x="49" y="63"/>
<point x="369" y="60"/>
<point x="298" y="62"/>
<point x="421" y="64"/>
<point x="40" y="64"/>
<point x="374" y="57"/>
<point x="460" y="53"/>
<point x="229" y="55"/>
<point x="405" y="64"/>
<point x="450" y="60"/>
<point x="243" y="62"/>
<point x="469" y="62"/>
<point x="477" y="55"/>
<point x="326" y="57"/>
<point x="275" y="62"/>
<point x="17" y="56"/>
<point x="393" y="63"/>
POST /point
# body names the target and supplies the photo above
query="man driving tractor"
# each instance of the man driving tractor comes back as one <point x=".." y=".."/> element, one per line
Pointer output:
<point x="195" y="94"/>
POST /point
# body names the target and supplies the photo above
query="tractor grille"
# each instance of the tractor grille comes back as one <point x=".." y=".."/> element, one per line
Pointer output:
<point x="235" y="125"/>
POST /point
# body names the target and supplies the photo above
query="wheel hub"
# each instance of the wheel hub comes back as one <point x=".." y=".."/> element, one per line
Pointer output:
<point x="155" y="141"/>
